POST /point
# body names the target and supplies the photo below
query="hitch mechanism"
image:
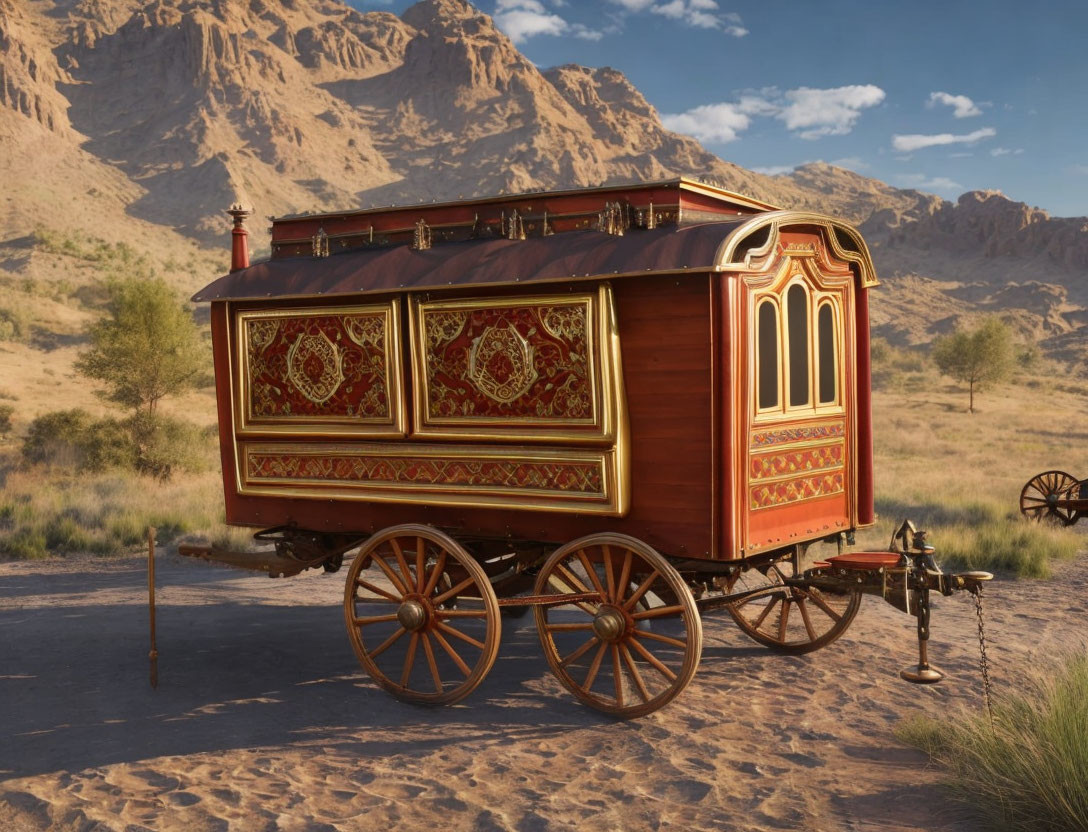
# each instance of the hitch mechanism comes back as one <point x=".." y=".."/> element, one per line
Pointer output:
<point x="903" y="576"/>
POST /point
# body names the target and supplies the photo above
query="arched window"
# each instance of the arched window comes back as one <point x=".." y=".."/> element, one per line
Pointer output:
<point x="767" y="369"/>
<point x="797" y="321"/>
<point x="825" y="344"/>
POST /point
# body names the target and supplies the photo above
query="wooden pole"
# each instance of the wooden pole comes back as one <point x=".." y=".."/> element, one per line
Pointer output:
<point x="154" y="654"/>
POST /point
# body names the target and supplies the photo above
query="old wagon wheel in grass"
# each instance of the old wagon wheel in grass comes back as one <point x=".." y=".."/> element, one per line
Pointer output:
<point x="791" y="619"/>
<point x="421" y="614"/>
<point x="637" y="647"/>
<point x="1039" y="498"/>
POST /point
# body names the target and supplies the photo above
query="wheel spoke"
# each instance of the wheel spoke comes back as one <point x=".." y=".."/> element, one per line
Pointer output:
<point x="617" y="675"/>
<point x="581" y="651"/>
<point x="409" y="660"/>
<point x="783" y="618"/>
<point x="658" y="612"/>
<point x="766" y="611"/>
<point x="803" y="607"/>
<point x="436" y="573"/>
<point x="433" y="664"/>
<point x="465" y="584"/>
<point x="640" y="685"/>
<point x="461" y="613"/>
<point x="564" y="627"/>
<point x="608" y="576"/>
<point x="404" y="570"/>
<point x="421" y="562"/>
<point x="675" y="642"/>
<point x="372" y="619"/>
<point x="578" y="586"/>
<point x="464" y="668"/>
<point x="389" y="642"/>
<point x="643" y="588"/>
<point x="625" y="574"/>
<point x="590" y="571"/>
<point x="453" y="631"/>
<point x="390" y="574"/>
<point x="591" y="677"/>
<point x="377" y="590"/>
<point x="823" y="605"/>
<point x="653" y="660"/>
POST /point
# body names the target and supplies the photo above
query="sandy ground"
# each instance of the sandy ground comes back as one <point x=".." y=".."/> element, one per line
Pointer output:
<point x="263" y="721"/>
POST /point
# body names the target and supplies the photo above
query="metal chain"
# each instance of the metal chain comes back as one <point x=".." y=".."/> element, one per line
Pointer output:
<point x="983" y="660"/>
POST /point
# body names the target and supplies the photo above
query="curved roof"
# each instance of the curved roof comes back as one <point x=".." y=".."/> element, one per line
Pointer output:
<point x="569" y="256"/>
<point x="574" y="255"/>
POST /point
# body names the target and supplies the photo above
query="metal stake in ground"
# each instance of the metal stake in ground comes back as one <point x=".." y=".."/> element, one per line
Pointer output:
<point x="154" y="654"/>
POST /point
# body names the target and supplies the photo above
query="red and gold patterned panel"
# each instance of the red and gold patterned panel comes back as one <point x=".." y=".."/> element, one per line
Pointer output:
<point x="320" y="371"/>
<point x="562" y="479"/>
<point x="771" y="494"/>
<point x="521" y="368"/>
<point x="790" y="464"/>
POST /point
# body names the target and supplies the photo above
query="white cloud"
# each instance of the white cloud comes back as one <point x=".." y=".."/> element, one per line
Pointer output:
<point x="935" y="183"/>
<point x="962" y="106"/>
<point x="709" y="122"/>
<point x="1004" y="151"/>
<point x="523" y="19"/>
<point x="916" y="141"/>
<point x="830" y="112"/>
<point x="813" y="112"/>
<point x="774" y="170"/>
<point x="702" y="14"/>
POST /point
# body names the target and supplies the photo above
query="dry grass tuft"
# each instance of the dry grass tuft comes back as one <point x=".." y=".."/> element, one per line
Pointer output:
<point x="1028" y="773"/>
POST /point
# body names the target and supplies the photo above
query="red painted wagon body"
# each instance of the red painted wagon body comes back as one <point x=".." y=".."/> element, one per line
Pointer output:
<point x="667" y="381"/>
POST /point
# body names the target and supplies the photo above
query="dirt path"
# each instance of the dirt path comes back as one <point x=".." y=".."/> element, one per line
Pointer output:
<point x="263" y="721"/>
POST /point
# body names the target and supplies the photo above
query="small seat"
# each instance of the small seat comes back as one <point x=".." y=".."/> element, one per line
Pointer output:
<point x="865" y="560"/>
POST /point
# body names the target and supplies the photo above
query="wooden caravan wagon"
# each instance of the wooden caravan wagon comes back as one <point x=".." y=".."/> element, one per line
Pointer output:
<point x="622" y="407"/>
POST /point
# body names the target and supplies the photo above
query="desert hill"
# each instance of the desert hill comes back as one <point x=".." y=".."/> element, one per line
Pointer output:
<point x="138" y="121"/>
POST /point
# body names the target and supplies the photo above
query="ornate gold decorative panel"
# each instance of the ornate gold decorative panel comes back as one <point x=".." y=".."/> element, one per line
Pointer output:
<point x="794" y="463"/>
<point x="565" y="479"/>
<point x="541" y="368"/>
<point x="319" y="371"/>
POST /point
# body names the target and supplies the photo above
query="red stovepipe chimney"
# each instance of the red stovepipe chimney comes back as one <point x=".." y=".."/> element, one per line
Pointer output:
<point x="239" y="238"/>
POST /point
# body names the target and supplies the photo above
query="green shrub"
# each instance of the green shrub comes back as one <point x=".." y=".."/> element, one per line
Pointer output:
<point x="74" y="439"/>
<point x="163" y="445"/>
<point x="1018" y="546"/>
<point x="6" y="412"/>
<point x="25" y="544"/>
<point x="1028" y="772"/>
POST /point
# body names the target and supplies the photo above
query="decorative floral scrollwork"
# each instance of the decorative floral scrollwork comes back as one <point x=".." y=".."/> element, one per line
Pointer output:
<point x="313" y="367"/>
<point x="500" y="363"/>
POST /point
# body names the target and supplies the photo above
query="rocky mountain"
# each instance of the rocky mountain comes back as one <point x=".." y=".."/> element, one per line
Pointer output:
<point x="140" y="120"/>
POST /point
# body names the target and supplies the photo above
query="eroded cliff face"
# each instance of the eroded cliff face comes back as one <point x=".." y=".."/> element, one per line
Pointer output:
<point x="153" y="115"/>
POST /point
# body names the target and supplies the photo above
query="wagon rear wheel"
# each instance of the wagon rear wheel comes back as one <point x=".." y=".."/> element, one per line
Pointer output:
<point x="634" y="649"/>
<point x="421" y="615"/>
<point x="1039" y="498"/>
<point x="791" y="619"/>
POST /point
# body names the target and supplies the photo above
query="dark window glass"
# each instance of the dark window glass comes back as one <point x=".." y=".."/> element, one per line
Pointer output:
<point x="825" y="328"/>
<point x="797" y="320"/>
<point x="767" y="337"/>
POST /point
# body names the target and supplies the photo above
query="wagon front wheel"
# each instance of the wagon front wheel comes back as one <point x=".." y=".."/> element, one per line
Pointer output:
<point x="1039" y="497"/>
<point x="792" y="619"/>
<point x="421" y="615"/>
<point x="636" y="644"/>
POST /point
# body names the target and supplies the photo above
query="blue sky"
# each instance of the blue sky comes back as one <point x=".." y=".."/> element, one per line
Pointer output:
<point x="944" y="97"/>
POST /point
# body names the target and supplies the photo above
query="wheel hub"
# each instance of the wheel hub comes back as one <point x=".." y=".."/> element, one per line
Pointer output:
<point x="609" y="624"/>
<point x="412" y="615"/>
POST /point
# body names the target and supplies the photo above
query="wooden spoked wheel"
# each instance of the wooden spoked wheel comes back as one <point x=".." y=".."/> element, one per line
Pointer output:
<point x="1039" y="498"/>
<point x="421" y="614"/>
<point x="634" y="649"/>
<point x="791" y="619"/>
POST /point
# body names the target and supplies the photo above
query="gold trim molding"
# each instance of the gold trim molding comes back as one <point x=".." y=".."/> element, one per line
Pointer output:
<point x="585" y="481"/>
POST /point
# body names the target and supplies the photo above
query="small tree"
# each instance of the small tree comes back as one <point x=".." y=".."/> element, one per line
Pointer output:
<point x="146" y="347"/>
<point x="978" y="358"/>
